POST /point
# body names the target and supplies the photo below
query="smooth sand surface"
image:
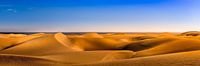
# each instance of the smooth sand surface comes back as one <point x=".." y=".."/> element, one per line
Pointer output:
<point x="175" y="59"/>
<point x="93" y="49"/>
<point x="47" y="44"/>
<point x="79" y="57"/>
<point x="67" y="58"/>
<point x="10" y="41"/>
<point x="100" y="43"/>
<point x="180" y="45"/>
<point x="148" y="43"/>
<point x="21" y="60"/>
<point x="92" y="35"/>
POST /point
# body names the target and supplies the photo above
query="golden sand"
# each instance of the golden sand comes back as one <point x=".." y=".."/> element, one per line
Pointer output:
<point x="93" y="49"/>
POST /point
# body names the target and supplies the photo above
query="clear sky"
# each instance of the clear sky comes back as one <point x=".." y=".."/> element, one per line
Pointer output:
<point x="99" y="15"/>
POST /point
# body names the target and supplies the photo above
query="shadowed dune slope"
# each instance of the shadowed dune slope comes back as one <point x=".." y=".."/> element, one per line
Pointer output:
<point x="180" y="45"/>
<point x="142" y="38"/>
<point x="190" y="33"/>
<point x="148" y="43"/>
<point x="93" y="49"/>
<point x="99" y="43"/>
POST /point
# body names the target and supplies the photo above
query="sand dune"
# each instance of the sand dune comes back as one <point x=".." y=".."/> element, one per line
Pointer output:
<point x="12" y="35"/>
<point x="21" y="60"/>
<point x="93" y="49"/>
<point x="99" y="43"/>
<point x="47" y="44"/>
<point x="29" y="37"/>
<point x="92" y="35"/>
<point x="180" y="45"/>
<point x="10" y="41"/>
<point x="78" y="57"/>
<point x="67" y="58"/>
<point x="149" y="43"/>
<point x="176" y="59"/>
<point x="191" y="33"/>
<point x="142" y="38"/>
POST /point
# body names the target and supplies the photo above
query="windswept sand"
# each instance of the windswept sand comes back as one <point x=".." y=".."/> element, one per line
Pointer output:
<point x="180" y="45"/>
<point x="191" y="58"/>
<point x="93" y="49"/>
<point x="44" y="45"/>
<point x="11" y="41"/>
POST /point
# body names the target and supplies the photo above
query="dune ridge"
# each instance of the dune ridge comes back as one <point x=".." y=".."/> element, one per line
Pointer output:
<point x="190" y="58"/>
<point x="11" y="41"/>
<point x="93" y="49"/>
<point x="180" y="45"/>
<point x="39" y="46"/>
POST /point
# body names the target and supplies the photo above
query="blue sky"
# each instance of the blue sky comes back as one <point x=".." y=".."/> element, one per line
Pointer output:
<point x="99" y="15"/>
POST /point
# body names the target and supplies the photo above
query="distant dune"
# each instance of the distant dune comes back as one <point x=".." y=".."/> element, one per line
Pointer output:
<point x="93" y="49"/>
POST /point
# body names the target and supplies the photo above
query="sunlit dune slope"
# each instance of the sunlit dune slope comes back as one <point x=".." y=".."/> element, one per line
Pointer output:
<point x="175" y="59"/>
<point x="20" y="60"/>
<point x="190" y="33"/>
<point x="65" y="59"/>
<point x="29" y="37"/>
<point x="180" y="45"/>
<point x="93" y="49"/>
<point x="149" y="43"/>
<point x="94" y="41"/>
<point x="78" y="57"/>
<point x="10" y="41"/>
<point x="92" y="35"/>
<point x="47" y="44"/>
<point x="142" y="38"/>
<point x="11" y="35"/>
<point x="99" y="43"/>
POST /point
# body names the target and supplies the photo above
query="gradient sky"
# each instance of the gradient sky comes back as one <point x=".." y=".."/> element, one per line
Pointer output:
<point x="99" y="15"/>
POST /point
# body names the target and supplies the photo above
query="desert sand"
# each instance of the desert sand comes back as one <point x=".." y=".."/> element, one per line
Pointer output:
<point x="93" y="49"/>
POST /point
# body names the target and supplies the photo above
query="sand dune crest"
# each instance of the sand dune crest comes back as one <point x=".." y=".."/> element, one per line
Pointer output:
<point x="11" y="41"/>
<point x="47" y="44"/>
<point x="175" y="59"/>
<point x="180" y="45"/>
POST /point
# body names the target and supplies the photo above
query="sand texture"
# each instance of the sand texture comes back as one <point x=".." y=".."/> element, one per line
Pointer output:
<point x="93" y="49"/>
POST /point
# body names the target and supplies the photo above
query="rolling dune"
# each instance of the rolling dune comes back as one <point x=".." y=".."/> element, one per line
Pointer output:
<point x="149" y="43"/>
<point x="47" y="44"/>
<point x="10" y="41"/>
<point x="93" y="49"/>
<point x="92" y="35"/>
<point x="180" y="45"/>
<point x="11" y="35"/>
<point x="100" y="43"/>
<point x="79" y="57"/>
<point x="190" y="58"/>
<point x="21" y="60"/>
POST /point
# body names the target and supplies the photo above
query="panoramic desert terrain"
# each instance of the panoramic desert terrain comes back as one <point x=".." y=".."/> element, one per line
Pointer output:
<point x="104" y="49"/>
<point x="99" y="33"/>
